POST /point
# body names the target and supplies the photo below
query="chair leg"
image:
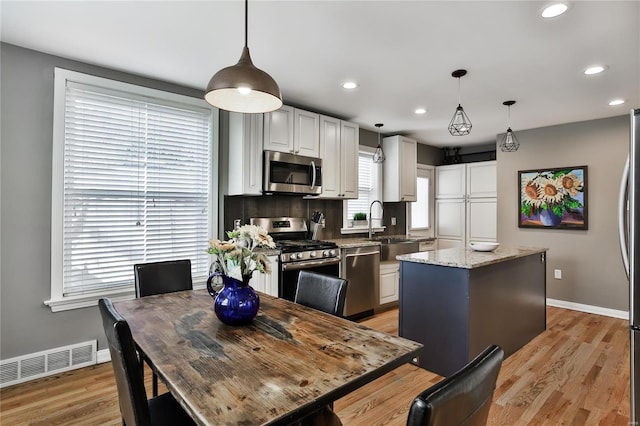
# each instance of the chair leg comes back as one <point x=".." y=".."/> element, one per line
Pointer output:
<point x="155" y="384"/>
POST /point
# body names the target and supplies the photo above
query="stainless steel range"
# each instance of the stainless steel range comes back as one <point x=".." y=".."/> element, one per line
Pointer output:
<point x="298" y="252"/>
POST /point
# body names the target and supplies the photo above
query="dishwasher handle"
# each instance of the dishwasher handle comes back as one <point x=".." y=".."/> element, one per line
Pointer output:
<point x="368" y="253"/>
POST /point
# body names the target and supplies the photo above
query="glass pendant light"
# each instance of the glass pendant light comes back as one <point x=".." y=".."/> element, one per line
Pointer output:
<point x="509" y="142"/>
<point x="243" y="87"/>
<point x="460" y="124"/>
<point x="378" y="156"/>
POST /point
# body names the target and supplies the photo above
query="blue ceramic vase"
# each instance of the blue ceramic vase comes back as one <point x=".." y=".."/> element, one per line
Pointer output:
<point x="236" y="303"/>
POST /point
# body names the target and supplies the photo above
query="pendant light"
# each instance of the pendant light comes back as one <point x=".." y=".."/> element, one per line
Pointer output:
<point x="243" y="87"/>
<point x="460" y="124"/>
<point x="378" y="156"/>
<point x="509" y="142"/>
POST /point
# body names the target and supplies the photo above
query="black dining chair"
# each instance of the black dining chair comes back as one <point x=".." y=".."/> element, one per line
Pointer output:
<point x="158" y="278"/>
<point x="162" y="277"/>
<point x="322" y="292"/>
<point x="463" y="398"/>
<point x="135" y="408"/>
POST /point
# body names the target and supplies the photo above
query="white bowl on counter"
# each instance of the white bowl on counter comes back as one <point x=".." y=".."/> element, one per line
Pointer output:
<point x="483" y="246"/>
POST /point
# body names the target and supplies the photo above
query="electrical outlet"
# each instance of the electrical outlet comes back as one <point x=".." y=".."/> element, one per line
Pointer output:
<point x="557" y="274"/>
<point x="393" y="221"/>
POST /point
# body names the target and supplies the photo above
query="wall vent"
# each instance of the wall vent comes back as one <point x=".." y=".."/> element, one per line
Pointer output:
<point x="46" y="363"/>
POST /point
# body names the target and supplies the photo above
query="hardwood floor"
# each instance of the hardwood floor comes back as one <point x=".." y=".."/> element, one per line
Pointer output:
<point x="575" y="373"/>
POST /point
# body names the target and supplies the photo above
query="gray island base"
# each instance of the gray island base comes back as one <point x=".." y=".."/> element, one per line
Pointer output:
<point x="456" y="302"/>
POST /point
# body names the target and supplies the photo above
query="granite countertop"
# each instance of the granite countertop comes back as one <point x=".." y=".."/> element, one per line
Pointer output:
<point x="354" y="242"/>
<point x="267" y="251"/>
<point x="364" y="242"/>
<point x="467" y="258"/>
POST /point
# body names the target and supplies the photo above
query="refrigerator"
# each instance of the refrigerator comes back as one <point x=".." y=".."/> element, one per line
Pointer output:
<point x="629" y="234"/>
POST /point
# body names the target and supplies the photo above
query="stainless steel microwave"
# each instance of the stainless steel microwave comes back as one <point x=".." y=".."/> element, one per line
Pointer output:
<point x="293" y="174"/>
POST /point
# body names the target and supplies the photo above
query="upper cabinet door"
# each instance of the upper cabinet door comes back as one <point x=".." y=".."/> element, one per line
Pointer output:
<point x="481" y="180"/>
<point x="306" y="139"/>
<point x="278" y="130"/>
<point x="451" y="181"/>
<point x="350" y="140"/>
<point x="330" y="155"/>
<point x="400" y="169"/>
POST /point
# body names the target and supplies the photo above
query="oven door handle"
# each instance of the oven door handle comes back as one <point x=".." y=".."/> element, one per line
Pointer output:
<point x="294" y="266"/>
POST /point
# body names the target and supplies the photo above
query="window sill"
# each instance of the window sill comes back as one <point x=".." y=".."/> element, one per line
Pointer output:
<point x="361" y="229"/>
<point x="86" y="300"/>
<point x="59" y="304"/>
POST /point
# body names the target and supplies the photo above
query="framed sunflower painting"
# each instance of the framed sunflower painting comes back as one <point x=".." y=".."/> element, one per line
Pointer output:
<point x="553" y="198"/>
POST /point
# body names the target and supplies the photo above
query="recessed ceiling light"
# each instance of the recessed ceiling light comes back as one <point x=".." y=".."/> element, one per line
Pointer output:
<point x="554" y="9"/>
<point x="421" y="111"/>
<point x="595" y="69"/>
<point x="349" y="85"/>
<point x="616" y="102"/>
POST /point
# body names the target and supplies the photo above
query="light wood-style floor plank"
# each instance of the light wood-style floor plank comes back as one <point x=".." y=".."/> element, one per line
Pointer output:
<point x="575" y="373"/>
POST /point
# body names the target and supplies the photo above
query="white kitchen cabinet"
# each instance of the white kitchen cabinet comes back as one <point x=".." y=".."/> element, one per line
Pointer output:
<point x="466" y="204"/>
<point x="292" y="130"/>
<point x="339" y="142"/>
<point x="244" y="167"/>
<point x="451" y="218"/>
<point x="267" y="283"/>
<point x="389" y="282"/>
<point x="278" y="130"/>
<point x="400" y="169"/>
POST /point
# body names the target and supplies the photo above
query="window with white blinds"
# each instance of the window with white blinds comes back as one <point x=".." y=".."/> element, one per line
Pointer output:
<point x="134" y="185"/>
<point x="368" y="187"/>
<point x="421" y="212"/>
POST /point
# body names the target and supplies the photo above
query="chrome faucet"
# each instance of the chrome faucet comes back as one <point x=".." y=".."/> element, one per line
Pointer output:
<point x="371" y="218"/>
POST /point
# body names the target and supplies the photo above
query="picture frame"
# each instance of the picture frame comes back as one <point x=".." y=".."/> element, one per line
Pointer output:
<point x="553" y="198"/>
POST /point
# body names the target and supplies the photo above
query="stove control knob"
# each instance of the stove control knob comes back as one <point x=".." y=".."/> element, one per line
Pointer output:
<point x="312" y="254"/>
<point x="300" y="255"/>
<point x="332" y="252"/>
<point x="325" y="253"/>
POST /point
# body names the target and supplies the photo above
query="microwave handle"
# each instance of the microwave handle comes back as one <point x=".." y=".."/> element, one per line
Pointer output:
<point x="313" y="174"/>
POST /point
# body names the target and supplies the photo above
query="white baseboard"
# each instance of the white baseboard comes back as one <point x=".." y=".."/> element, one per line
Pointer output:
<point x="614" y="313"/>
<point x="103" y="355"/>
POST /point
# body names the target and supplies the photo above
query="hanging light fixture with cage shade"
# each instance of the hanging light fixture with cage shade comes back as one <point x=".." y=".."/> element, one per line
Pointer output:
<point x="460" y="124"/>
<point x="378" y="156"/>
<point x="243" y="87"/>
<point x="509" y="142"/>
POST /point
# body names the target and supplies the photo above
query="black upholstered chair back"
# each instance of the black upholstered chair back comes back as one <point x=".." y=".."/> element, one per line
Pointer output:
<point x="322" y="292"/>
<point x="131" y="392"/>
<point x="162" y="277"/>
<point x="464" y="398"/>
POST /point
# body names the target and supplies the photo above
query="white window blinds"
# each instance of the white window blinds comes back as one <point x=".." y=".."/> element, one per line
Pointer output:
<point x="420" y="208"/>
<point x="136" y="186"/>
<point x="368" y="186"/>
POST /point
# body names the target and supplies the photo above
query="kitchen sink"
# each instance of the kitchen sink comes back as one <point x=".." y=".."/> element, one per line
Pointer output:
<point x="391" y="247"/>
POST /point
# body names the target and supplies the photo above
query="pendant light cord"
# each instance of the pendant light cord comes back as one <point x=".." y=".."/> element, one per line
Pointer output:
<point x="459" y="91"/>
<point x="509" y="116"/>
<point x="246" y="23"/>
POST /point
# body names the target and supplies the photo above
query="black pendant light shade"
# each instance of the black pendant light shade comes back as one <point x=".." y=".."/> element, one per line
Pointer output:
<point x="509" y="142"/>
<point x="378" y="156"/>
<point x="243" y="87"/>
<point x="460" y="124"/>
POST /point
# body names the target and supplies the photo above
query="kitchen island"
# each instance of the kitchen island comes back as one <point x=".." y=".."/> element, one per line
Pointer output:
<point x="457" y="301"/>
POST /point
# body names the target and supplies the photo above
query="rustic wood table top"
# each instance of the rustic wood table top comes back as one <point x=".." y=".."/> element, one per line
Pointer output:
<point x="290" y="361"/>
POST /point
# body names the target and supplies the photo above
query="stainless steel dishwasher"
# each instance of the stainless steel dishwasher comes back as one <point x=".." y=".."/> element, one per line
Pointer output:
<point x="361" y="266"/>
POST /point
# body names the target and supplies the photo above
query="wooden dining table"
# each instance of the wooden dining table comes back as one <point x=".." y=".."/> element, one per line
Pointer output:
<point x="289" y="362"/>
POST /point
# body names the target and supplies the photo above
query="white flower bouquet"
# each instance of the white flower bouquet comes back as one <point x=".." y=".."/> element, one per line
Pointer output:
<point x="237" y="257"/>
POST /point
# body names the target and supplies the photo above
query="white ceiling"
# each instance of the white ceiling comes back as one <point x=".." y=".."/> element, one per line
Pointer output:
<point x="401" y="53"/>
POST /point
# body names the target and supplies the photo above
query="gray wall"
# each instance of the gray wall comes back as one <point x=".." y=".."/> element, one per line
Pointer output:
<point x="26" y="324"/>
<point x="592" y="271"/>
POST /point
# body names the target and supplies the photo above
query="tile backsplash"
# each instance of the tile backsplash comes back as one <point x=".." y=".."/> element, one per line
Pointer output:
<point x="244" y="208"/>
